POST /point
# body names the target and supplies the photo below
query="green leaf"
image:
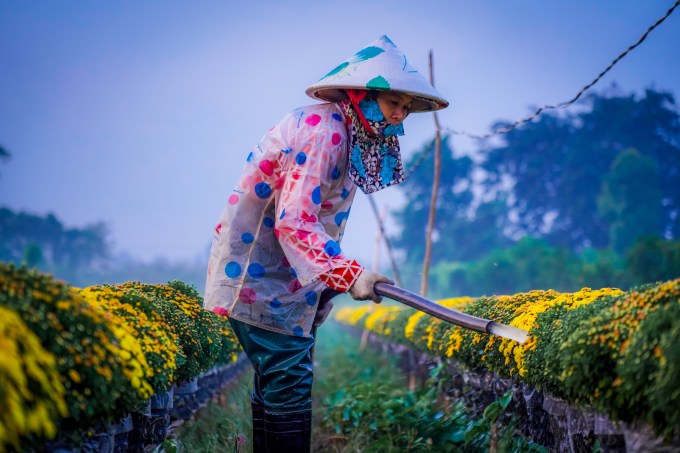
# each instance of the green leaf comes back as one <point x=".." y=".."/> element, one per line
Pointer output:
<point x="492" y="411"/>
<point x="392" y="404"/>
<point x="597" y="446"/>
<point x="505" y="399"/>
<point x="379" y="445"/>
<point x="472" y="433"/>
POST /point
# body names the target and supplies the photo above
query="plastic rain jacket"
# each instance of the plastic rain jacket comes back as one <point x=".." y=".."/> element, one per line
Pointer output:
<point x="276" y="245"/>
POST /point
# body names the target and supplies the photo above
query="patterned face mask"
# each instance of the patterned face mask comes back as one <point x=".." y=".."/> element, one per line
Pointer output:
<point x="375" y="159"/>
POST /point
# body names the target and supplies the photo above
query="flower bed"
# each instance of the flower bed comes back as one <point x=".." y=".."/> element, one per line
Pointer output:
<point x="617" y="352"/>
<point x="75" y="360"/>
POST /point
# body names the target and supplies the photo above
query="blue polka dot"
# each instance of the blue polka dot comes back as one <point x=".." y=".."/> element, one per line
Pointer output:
<point x="336" y="173"/>
<point x="286" y="151"/>
<point x="339" y="217"/>
<point x="316" y="195"/>
<point x="301" y="158"/>
<point x="345" y="194"/>
<point x="256" y="271"/>
<point x="232" y="269"/>
<point x="337" y="117"/>
<point x="268" y="222"/>
<point x="282" y="214"/>
<point x="275" y="303"/>
<point x="294" y="273"/>
<point x="262" y="190"/>
<point x="298" y="332"/>
<point x="311" y="298"/>
<point x="332" y="248"/>
<point x="250" y="156"/>
<point x="348" y="212"/>
<point x="247" y="238"/>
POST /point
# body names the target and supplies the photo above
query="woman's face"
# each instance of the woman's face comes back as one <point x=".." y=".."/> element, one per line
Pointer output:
<point x="394" y="106"/>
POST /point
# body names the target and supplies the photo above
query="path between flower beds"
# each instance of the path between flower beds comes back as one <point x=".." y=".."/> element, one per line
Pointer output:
<point x="361" y="401"/>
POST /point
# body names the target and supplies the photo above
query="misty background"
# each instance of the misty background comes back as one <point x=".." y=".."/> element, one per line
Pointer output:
<point x="124" y="126"/>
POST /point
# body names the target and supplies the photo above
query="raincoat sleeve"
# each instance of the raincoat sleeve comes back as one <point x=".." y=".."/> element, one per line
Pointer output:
<point x="303" y="186"/>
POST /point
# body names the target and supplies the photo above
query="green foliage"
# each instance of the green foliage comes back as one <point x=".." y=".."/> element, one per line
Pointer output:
<point x="387" y="418"/>
<point x="529" y="264"/>
<point x="630" y="200"/>
<point x="619" y="354"/>
<point x="198" y="331"/>
<point x="32" y="255"/>
<point x="532" y="263"/>
<point x="653" y="259"/>
<point x="459" y="237"/>
<point x="73" y="247"/>
<point x="557" y="189"/>
<point x="560" y="164"/>
<point x="216" y="427"/>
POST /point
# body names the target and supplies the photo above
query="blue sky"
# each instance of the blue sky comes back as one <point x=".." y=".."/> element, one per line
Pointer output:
<point x="141" y="113"/>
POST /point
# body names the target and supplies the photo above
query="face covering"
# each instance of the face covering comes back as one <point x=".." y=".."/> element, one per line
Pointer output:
<point x="374" y="155"/>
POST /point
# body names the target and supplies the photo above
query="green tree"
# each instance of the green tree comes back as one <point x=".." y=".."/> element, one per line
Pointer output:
<point x="630" y="200"/>
<point x="557" y="166"/>
<point x="653" y="259"/>
<point x="72" y="247"/>
<point x="33" y="255"/>
<point x="459" y="233"/>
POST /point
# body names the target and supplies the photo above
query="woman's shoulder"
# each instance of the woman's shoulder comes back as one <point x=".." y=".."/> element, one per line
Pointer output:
<point x="319" y="116"/>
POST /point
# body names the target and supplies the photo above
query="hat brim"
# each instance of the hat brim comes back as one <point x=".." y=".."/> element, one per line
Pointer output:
<point x="337" y="93"/>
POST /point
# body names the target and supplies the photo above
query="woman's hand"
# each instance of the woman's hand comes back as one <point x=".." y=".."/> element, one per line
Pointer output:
<point x="363" y="287"/>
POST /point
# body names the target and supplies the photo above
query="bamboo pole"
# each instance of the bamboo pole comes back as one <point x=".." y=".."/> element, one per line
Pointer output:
<point x="376" y="268"/>
<point x="435" y="191"/>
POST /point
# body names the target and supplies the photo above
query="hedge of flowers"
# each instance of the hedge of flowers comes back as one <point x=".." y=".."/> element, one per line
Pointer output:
<point x="616" y="351"/>
<point x="73" y="360"/>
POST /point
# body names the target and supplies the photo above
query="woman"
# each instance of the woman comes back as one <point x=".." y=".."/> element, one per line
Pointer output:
<point x="276" y="247"/>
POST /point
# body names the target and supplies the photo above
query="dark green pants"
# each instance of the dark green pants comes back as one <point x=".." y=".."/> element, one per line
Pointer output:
<point x="283" y="368"/>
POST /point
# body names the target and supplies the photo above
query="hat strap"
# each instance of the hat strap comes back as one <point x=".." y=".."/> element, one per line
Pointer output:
<point x="356" y="96"/>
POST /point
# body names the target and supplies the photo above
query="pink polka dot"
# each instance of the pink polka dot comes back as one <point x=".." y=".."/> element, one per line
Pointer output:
<point x="313" y="119"/>
<point x="294" y="286"/>
<point x="326" y="205"/>
<point x="218" y="228"/>
<point x="233" y="199"/>
<point x="296" y="176"/>
<point x="308" y="218"/>
<point x="285" y="262"/>
<point x="221" y="311"/>
<point x="267" y="167"/>
<point x="276" y="232"/>
<point x="247" y="296"/>
<point x="208" y="271"/>
<point x="272" y="128"/>
<point x="279" y="183"/>
<point x="336" y="138"/>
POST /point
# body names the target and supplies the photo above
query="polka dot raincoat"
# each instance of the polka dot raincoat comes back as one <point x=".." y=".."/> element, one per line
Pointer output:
<point x="276" y="245"/>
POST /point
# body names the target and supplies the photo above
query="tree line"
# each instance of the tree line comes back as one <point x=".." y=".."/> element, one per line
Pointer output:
<point x="566" y="201"/>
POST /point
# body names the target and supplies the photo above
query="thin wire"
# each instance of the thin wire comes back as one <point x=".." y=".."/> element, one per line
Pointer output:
<point x="548" y="107"/>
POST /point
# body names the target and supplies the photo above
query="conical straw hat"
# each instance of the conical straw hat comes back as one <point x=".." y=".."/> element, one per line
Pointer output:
<point x="379" y="66"/>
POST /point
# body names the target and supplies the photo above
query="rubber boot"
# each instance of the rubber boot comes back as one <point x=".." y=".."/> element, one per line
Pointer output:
<point x="288" y="433"/>
<point x="258" y="428"/>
